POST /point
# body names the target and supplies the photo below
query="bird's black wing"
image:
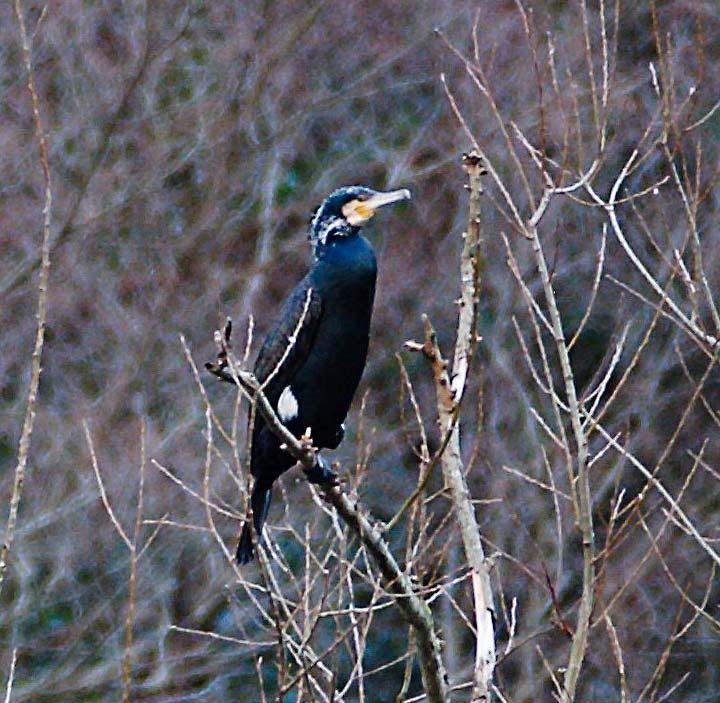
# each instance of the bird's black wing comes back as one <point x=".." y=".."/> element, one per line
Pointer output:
<point x="282" y="354"/>
<point x="288" y="343"/>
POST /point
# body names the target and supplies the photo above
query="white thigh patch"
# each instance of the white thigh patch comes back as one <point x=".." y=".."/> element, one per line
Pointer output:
<point x="287" y="405"/>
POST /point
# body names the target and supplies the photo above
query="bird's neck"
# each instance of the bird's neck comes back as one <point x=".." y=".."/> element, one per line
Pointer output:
<point x="342" y="247"/>
<point x="331" y="231"/>
<point x="347" y="262"/>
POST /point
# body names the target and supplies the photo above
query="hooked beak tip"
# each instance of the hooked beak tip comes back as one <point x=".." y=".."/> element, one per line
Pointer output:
<point x="393" y="196"/>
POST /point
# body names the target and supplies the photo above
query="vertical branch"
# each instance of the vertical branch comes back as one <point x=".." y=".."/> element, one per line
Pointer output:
<point x="132" y="584"/>
<point x="11" y="676"/>
<point x="583" y="507"/>
<point x="470" y="269"/>
<point x="454" y="475"/>
<point x="29" y="421"/>
<point x="449" y="394"/>
<point x="135" y="549"/>
<point x="264" y="245"/>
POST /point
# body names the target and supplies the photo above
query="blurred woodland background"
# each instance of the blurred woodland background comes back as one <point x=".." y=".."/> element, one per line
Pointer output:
<point x="188" y="145"/>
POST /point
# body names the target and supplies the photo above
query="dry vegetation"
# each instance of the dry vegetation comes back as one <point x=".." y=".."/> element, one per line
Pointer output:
<point x="187" y="145"/>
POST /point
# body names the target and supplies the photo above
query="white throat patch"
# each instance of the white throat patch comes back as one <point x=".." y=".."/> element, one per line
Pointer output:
<point x="336" y="226"/>
<point x="287" y="405"/>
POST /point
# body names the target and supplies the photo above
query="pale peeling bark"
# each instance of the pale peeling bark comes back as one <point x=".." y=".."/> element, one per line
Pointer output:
<point x="449" y="393"/>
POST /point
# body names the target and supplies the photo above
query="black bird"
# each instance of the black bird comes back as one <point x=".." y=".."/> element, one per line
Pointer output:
<point x="311" y="361"/>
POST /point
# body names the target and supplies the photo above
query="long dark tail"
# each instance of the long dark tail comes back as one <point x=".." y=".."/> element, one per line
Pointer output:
<point x="260" y="501"/>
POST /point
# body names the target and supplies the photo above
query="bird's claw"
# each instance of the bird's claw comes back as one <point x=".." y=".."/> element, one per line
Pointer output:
<point x="321" y="473"/>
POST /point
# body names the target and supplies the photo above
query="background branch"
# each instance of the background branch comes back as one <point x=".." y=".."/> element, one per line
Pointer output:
<point x="35" y="364"/>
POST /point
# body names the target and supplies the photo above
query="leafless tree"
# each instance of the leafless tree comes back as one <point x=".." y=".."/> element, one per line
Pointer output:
<point x="528" y="496"/>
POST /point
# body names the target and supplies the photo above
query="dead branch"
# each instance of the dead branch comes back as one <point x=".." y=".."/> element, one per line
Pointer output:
<point x="449" y="393"/>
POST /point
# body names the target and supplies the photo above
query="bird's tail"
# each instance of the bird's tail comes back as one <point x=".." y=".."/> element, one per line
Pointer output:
<point x="260" y="501"/>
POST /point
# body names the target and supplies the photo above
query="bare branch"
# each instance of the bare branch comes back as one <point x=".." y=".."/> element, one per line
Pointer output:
<point x="449" y="394"/>
<point x="11" y="676"/>
<point x="103" y="493"/>
<point x="41" y="315"/>
<point x="412" y="606"/>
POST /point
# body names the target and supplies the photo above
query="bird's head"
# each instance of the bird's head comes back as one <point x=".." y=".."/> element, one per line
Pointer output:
<point x="346" y="210"/>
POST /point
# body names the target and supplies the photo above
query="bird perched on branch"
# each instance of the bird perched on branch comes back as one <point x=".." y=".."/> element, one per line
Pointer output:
<point x="310" y="363"/>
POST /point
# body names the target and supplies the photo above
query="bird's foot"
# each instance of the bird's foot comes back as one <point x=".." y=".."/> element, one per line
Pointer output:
<point x="381" y="526"/>
<point x="322" y="473"/>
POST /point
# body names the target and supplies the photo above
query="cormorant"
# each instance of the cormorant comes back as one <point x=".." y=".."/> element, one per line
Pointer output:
<point x="311" y="361"/>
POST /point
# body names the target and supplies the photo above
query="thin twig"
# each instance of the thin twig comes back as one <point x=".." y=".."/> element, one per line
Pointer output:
<point x="41" y="315"/>
<point x="11" y="676"/>
<point x="103" y="493"/>
<point x="412" y="606"/>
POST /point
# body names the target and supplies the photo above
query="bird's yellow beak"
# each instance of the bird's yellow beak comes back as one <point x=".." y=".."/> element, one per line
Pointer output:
<point x="358" y="211"/>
